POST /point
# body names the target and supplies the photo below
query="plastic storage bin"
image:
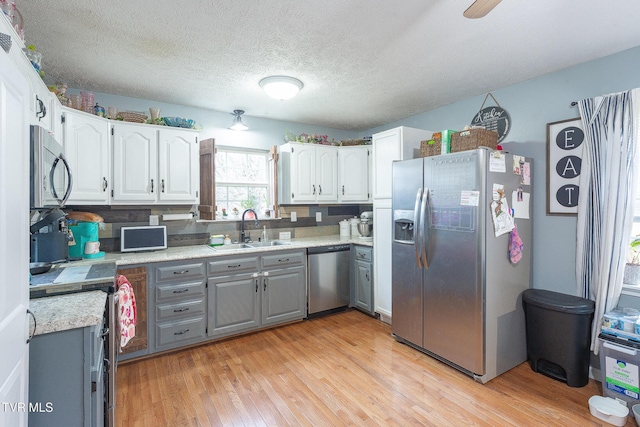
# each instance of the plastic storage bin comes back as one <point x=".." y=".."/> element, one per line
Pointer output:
<point x="558" y="335"/>
<point x="619" y="367"/>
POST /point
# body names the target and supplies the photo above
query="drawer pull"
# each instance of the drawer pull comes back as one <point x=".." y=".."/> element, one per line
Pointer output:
<point x="234" y="266"/>
<point x="181" y="291"/>
<point x="181" y="272"/>
<point x="181" y="332"/>
<point x="180" y="310"/>
<point x="283" y="260"/>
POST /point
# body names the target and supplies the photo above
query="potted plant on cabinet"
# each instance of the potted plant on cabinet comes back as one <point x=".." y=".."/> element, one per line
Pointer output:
<point x="632" y="269"/>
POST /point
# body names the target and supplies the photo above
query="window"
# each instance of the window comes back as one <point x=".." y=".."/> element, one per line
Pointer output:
<point x="241" y="180"/>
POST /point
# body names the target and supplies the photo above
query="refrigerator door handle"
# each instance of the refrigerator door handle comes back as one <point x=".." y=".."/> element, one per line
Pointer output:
<point x="425" y="214"/>
<point x="416" y="227"/>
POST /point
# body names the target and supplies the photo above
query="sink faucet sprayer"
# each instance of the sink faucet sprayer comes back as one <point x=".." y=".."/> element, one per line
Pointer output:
<point x="242" y="234"/>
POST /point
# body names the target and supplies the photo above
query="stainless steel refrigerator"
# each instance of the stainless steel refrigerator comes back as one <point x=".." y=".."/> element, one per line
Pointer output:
<point x="456" y="294"/>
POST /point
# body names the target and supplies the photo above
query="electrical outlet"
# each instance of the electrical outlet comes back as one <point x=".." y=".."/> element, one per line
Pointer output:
<point x="284" y="235"/>
<point x="154" y="219"/>
<point x="318" y="216"/>
<point x="294" y="216"/>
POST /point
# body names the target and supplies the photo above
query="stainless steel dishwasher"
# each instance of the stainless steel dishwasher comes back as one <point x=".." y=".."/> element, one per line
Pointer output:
<point x="328" y="286"/>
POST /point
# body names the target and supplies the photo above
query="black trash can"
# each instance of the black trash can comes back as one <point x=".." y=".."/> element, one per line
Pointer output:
<point x="558" y="335"/>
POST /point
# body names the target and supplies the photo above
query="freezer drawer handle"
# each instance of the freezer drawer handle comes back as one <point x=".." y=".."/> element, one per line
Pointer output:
<point x="181" y="332"/>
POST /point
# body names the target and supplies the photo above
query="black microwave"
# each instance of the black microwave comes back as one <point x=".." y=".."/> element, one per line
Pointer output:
<point x="144" y="238"/>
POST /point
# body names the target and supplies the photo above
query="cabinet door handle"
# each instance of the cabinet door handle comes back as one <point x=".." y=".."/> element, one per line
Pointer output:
<point x="181" y="272"/>
<point x="343" y="190"/>
<point x="181" y="332"/>
<point x="181" y="310"/>
<point x="234" y="266"/>
<point x="104" y="332"/>
<point x="162" y="185"/>
<point x="42" y="110"/>
<point x="319" y="189"/>
<point x="152" y="185"/>
<point x="264" y="283"/>
<point x="314" y="189"/>
<point x="256" y="285"/>
<point x="105" y="184"/>
<point x="367" y="276"/>
<point x="181" y="291"/>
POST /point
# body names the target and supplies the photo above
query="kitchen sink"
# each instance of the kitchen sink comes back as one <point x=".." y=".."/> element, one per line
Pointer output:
<point x="252" y="245"/>
<point x="266" y="244"/>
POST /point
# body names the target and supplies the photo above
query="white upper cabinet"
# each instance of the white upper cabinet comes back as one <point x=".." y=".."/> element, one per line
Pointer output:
<point x="401" y="143"/>
<point x="178" y="166"/>
<point x="88" y="150"/>
<point x="152" y="165"/>
<point x="353" y="171"/>
<point x="135" y="163"/>
<point x="308" y="173"/>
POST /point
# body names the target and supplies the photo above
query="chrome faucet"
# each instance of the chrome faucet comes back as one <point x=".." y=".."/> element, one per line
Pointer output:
<point x="243" y="239"/>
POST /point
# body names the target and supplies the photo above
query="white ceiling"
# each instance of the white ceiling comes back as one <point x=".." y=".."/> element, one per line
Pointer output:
<point x="364" y="63"/>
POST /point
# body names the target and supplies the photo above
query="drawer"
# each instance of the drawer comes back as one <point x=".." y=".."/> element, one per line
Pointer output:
<point x="174" y="273"/>
<point x="283" y="259"/>
<point x="227" y="266"/>
<point x="168" y="333"/>
<point x="180" y="309"/>
<point x="363" y="253"/>
<point x="180" y="290"/>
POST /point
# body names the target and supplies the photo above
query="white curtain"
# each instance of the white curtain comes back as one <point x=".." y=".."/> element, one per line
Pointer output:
<point x="607" y="189"/>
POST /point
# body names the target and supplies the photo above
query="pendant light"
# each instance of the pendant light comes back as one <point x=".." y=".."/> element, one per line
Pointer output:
<point x="281" y="87"/>
<point x="237" y="121"/>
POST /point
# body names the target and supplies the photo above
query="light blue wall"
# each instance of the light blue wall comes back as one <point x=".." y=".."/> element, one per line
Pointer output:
<point x="531" y="105"/>
<point x="262" y="133"/>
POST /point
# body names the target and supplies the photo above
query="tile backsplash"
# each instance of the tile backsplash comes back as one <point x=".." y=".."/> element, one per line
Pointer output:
<point x="194" y="232"/>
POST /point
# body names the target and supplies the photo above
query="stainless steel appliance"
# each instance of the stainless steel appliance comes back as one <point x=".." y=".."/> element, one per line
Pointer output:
<point x="328" y="286"/>
<point x="455" y="293"/>
<point x="51" y="179"/>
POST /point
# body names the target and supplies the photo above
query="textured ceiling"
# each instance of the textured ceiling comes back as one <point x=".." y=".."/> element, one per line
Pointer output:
<point x="364" y="63"/>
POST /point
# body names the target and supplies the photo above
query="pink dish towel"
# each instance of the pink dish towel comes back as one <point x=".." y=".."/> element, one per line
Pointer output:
<point x="126" y="310"/>
<point x="515" y="246"/>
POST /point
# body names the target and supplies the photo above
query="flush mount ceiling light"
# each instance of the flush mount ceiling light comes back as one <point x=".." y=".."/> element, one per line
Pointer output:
<point x="237" y="121"/>
<point x="281" y="87"/>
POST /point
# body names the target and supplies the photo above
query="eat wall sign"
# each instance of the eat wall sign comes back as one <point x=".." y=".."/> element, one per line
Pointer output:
<point x="564" y="164"/>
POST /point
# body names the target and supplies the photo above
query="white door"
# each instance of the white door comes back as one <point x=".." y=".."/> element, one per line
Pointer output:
<point x="14" y="244"/>
<point x="354" y="174"/>
<point x="326" y="173"/>
<point x="303" y="173"/>
<point x="178" y="166"/>
<point x="386" y="149"/>
<point x="87" y="148"/>
<point x="135" y="164"/>
<point x="382" y="237"/>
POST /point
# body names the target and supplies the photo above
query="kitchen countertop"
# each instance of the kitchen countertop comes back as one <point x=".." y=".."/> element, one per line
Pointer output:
<point x="73" y="277"/>
<point x="63" y="312"/>
<point x="204" y="251"/>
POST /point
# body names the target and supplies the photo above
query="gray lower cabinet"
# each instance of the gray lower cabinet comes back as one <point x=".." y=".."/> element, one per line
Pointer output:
<point x="246" y="293"/>
<point x="66" y="385"/>
<point x="362" y="279"/>
<point x="177" y="304"/>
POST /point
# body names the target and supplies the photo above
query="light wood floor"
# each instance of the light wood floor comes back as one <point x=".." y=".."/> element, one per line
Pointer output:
<point x="343" y="369"/>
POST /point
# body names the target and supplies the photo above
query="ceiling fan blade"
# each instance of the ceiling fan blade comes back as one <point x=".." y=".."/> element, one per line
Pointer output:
<point x="480" y="8"/>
